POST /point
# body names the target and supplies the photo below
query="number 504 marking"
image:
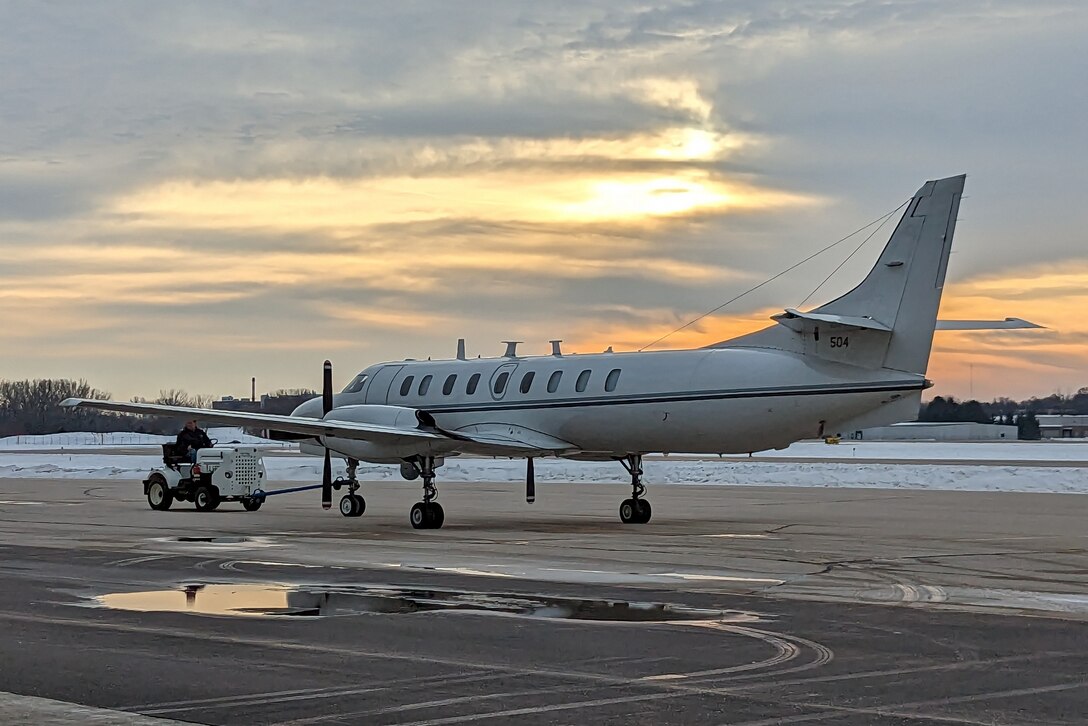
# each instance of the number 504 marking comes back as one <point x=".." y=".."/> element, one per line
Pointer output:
<point x="840" y="341"/>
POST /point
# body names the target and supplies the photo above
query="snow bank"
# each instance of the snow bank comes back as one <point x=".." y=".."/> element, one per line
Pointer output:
<point x="962" y="477"/>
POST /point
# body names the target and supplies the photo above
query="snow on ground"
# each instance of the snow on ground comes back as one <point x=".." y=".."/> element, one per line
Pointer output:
<point x="1053" y="450"/>
<point x="964" y="476"/>
<point x="959" y="465"/>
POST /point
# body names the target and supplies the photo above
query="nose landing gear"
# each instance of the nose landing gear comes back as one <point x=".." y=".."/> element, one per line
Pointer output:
<point x="635" y="510"/>
<point x="351" y="504"/>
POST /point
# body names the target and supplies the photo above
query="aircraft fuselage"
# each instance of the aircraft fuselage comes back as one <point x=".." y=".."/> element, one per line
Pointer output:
<point x="725" y="400"/>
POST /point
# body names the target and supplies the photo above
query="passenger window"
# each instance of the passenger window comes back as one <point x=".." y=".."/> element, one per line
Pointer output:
<point x="500" y="382"/>
<point x="356" y="384"/>
<point x="527" y="381"/>
<point x="472" y="383"/>
<point x="612" y="380"/>
<point x="447" y="387"/>
<point x="424" y="385"/>
<point x="407" y="385"/>
<point x="582" y="382"/>
<point x="553" y="381"/>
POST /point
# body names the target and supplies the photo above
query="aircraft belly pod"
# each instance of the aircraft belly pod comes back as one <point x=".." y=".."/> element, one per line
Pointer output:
<point x="859" y="360"/>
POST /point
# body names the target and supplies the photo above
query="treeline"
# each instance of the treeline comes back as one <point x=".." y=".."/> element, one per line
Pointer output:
<point x="1003" y="410"/>
<point x="31" y="407"/>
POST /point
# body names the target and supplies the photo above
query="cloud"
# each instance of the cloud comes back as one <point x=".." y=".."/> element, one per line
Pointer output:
<point x="280" y="181"/>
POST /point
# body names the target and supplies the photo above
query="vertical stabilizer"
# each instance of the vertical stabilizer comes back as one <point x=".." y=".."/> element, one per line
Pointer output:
<point x="903" y="290"/>
<point x="888" y="319"/>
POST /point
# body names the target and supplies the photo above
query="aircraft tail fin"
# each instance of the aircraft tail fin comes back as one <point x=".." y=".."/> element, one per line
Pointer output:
<point x="889" y="318"/>
<point x="903" y="290"/>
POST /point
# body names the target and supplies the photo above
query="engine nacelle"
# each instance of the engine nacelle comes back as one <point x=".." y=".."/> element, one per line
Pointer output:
<point x="396" y="417"/>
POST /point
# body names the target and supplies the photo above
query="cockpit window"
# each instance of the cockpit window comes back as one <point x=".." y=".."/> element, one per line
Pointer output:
<point x="356" y="384"/>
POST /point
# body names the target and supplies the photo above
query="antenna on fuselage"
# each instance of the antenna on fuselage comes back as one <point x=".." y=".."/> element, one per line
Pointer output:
<point x="460" y="349"/>
<point x="556" y="350"/>
<point x="511" y="348"/>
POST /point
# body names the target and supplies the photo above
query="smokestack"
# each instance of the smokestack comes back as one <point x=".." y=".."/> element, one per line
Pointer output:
<point x="253" y="388"/>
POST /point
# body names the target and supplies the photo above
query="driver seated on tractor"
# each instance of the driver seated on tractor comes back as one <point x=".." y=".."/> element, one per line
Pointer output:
<point x="191" y="439"/>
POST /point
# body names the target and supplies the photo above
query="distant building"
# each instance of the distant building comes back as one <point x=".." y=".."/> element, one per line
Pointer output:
<point x="267" y="404"/>
<point x="1059" y="426"/>
<point x="230" y="403"/>
<point x="938" y="431"/>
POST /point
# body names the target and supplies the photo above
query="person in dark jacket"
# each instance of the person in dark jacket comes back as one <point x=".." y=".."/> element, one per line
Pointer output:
<point x="191" y="439"/>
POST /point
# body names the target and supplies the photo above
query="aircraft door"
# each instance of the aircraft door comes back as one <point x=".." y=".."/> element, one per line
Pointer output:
<point x="378" y="390"/>
<point x="501" y="380"/>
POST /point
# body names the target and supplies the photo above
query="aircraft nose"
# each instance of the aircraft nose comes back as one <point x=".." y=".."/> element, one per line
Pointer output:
<point x="309" y="409"/>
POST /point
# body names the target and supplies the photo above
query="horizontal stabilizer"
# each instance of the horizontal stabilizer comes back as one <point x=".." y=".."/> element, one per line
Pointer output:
<point x="1006" y="324"/>
<point x="847" y="320"/>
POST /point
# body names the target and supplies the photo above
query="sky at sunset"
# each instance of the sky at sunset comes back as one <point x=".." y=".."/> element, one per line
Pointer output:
<point x="195" y="193"/>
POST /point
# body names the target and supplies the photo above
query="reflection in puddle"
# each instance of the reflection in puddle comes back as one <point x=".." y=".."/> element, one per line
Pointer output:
<point x="265" y="600"/>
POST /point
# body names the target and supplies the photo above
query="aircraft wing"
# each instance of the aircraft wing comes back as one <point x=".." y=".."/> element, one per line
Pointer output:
<point x="293" y="424"/>
<point x="483" y="439"/>
<point x="498" y="439"/>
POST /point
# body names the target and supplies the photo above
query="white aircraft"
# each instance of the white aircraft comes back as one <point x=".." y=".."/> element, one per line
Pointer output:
<point x="856" y="362"/>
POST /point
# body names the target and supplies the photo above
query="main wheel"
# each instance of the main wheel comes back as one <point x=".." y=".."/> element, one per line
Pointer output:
<point x="644" y="511"/>
<point x="629" y="512"/>
<point x="206" y="498"/>
<point x="418" y="516"/>
<point x="252" y="504"/>
<point x="435" y="515"/>
<point x="158" y="493"/>
<point x="360" y="505"/>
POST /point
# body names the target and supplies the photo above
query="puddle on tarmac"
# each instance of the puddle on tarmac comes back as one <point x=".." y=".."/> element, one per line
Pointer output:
<point x="213" y="540"/>
<point x="263" y="600"/>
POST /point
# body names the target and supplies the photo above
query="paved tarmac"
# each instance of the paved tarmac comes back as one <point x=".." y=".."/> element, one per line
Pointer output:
<point x="735" y="605"/>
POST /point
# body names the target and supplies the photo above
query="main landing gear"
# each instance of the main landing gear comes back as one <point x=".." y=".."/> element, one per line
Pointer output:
<point x="427" y="514"/>
<point x="635" y="510"/>
<point x="351" y="504"/>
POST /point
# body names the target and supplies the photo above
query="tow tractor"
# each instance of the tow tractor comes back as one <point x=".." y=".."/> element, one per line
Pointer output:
<point x="218" y="475"/>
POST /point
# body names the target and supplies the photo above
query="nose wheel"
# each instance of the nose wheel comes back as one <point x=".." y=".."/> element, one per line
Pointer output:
<point x="352" y="504"/>
<point x="427" y="514"/>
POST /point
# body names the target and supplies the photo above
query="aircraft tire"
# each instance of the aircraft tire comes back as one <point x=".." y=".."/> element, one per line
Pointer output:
<point x="644" y="511"/>
<point x="628" y="512"/>
<point x="360" y="506"/>
<point x="158" y="494"/>
<point x="437" y="516"/>
<point x="206" y="498"/>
